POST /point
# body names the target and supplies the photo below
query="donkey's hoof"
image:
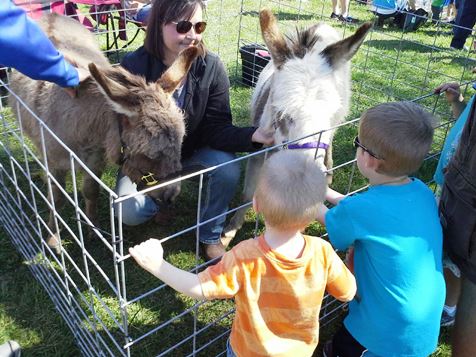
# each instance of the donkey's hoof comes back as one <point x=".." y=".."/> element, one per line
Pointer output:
<point x="227" y="237"/>
<point x="54" y="243"/>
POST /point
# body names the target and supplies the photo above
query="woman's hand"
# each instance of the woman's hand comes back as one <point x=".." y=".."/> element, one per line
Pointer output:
<point x="453" y="96"/>
<point x="452" y="92"/>
<point x="149" y="255"/>
<point x="262" y="137"/>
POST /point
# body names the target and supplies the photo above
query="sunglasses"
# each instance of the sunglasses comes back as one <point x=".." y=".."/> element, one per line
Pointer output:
<point x="357" y="144"/>
<point x="185" y="26"/>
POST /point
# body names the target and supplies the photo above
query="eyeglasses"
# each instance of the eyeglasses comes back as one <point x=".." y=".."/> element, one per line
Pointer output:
<point x="185" y="26"/>
<point x="357" y="144"/>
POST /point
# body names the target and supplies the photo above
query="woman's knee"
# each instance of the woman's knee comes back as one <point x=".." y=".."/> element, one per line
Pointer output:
<point x="136" y="210"/>
<point x="228" y="174"/>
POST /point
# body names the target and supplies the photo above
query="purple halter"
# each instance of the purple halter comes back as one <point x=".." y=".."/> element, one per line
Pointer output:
<point x="310" y="145"/>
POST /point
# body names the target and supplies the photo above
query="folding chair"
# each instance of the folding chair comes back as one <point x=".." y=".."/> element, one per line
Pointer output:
<point x="36" y="8"/>
<point x="112" y="14"/>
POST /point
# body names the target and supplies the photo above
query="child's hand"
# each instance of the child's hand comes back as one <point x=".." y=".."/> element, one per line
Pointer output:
<point x="149" y="255"/>
<point x="452" y="92"/>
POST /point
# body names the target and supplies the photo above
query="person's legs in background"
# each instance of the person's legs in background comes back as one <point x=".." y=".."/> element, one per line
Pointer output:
<point x="335" y="10"/>
<point x="465" y="20"/>
<point x="464" y="332"/>
<point x="453" y="289"/>
<point x="218" y="190"/>
<point x="436" y="8"/>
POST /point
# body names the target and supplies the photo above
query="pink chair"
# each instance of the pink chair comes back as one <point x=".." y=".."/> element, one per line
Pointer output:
<point x="36" y="8"/>
<point x="111" y="13"/>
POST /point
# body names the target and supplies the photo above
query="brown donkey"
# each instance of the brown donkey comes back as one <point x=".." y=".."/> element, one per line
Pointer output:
<point x="117" y="117"/>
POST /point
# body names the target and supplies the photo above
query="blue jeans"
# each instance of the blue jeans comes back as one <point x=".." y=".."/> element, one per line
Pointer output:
<point x="465" y="18"/>
<point x="219" y="188"/>
<point x="143" y="14"/>
<point x="229" y="350"/>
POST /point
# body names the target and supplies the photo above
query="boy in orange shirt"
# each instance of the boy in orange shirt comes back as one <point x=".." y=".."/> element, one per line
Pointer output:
<point x="278" y="280"/>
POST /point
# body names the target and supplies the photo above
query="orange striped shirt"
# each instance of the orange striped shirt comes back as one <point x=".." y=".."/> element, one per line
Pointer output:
<point x="277" y="299"/>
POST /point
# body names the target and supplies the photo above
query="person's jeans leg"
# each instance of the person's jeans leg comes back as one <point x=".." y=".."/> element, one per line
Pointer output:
<point x="218" y="190"/>
<point x="143" y="14"/>
<point x="137" y="209"/>
<point x="465" y="20"/>
<point x="229" y="350"/>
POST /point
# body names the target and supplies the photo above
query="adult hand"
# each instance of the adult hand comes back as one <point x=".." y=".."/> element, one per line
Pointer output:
<point x="82" y="74"/>
<point x="149" y="255"/>
<point x="262" y="137"/>
<point x="452" y="92"/>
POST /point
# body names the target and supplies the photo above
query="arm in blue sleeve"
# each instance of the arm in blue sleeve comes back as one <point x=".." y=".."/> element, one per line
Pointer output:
<point x="339" y="225"/>
<point x="25" y="47"/>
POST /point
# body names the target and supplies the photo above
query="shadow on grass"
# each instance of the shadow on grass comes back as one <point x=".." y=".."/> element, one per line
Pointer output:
<point x="286" y="16"/>
<point x="388" y="45"/>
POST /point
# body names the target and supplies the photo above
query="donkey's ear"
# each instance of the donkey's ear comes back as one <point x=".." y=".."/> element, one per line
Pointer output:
<point x="273" y="38"/>
<point x="172" y="77"/>
<point x="119" y="87"/>
<point x="342" y="51"/>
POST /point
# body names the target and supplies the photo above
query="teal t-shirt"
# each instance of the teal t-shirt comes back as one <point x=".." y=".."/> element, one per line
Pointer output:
<point x="397" y="241"/>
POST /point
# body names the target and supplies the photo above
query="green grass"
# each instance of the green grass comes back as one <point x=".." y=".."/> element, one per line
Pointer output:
<point x="391" y="65"/>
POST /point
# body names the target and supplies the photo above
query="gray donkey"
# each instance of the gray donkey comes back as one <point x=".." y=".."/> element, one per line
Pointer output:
<point x="117" y="117"/>
<point x="304" y="89"/>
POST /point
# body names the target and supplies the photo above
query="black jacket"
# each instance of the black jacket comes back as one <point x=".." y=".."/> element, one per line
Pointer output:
<point x="207" y="103"/>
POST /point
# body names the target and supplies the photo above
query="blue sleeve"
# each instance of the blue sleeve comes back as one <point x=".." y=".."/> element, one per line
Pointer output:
<point x="451" y="143"/>
<point x="339" y="226"/>
<point x="25" y="47"/>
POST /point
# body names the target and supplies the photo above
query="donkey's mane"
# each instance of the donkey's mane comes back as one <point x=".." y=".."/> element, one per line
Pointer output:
<point x="302" y="41"/>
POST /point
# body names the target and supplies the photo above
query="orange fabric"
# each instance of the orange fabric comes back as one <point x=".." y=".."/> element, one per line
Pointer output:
<point x="277" y="299"/>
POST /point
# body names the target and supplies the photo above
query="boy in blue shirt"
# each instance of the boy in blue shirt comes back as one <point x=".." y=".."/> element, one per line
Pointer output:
<point x="396" y="235"/>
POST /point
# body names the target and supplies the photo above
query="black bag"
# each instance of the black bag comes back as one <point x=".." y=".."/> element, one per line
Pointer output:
<point x="254" y="58"/>
<point x="458" y="202"/>
<point x="412" y="20"/>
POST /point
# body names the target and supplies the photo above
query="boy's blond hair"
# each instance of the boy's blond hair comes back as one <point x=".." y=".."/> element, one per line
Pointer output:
<point x="399" y="133"/>
<point x="290" y="187"/>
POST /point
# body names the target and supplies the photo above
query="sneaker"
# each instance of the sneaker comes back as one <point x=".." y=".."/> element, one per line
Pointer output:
<point x="348" y="19"/>
<point x="334" y="16"/>
<point x="10" y="349"/>
<point x="447" y="319"/>
<point x="465" y="48"/>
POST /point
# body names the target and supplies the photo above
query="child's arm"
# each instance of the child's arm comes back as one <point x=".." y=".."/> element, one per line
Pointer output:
<point x="150" y="256"/>
<point x="333" y="197"/>
<point x="340" y="281"/>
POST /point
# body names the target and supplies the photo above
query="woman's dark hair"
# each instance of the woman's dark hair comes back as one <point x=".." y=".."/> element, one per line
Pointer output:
<point x="162" y="13"/>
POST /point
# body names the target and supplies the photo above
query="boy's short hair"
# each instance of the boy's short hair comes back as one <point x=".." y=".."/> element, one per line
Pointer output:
<point x="289" y="190"/>
<point x="400" y="133"/>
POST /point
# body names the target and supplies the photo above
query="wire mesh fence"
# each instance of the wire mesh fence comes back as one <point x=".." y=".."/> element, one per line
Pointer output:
<point x="113" y="307"/>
